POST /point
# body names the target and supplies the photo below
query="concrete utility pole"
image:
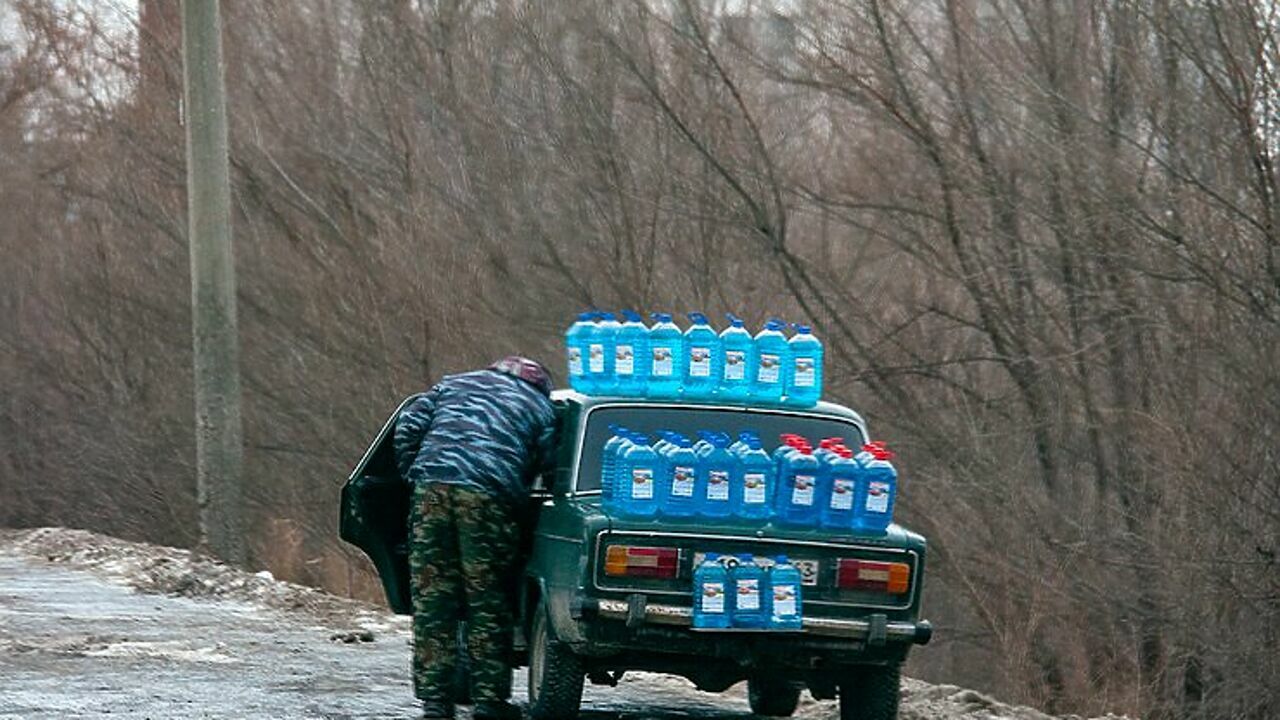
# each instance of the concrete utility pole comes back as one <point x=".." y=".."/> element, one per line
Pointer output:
<point x="219" y="456"/>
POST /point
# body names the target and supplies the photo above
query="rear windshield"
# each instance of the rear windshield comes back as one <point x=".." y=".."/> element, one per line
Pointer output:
<point x="768" y="425"/>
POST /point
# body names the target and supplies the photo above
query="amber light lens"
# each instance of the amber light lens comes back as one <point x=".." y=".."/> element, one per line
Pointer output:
<point x="892" y="578"/>
<point x="634" y="561"/>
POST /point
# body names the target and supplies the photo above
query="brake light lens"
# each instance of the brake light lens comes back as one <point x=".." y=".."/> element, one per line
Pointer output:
<point x="892" y="578"/>
<point x="635" y="561"/>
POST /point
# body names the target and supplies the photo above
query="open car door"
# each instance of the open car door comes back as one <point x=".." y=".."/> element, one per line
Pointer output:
<point x="374" y="514"/>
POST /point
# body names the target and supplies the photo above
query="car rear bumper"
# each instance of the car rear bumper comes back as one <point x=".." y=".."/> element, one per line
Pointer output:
<point x="875" y="630"/>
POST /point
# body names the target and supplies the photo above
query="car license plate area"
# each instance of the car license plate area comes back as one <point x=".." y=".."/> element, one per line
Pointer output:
<point x="808" y="568"/>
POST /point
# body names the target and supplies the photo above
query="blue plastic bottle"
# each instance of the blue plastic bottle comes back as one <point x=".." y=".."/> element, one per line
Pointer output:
<point x="758" y="479"/>
<point x="601" y="350"/>
<point x="875" y="496"/>
<point x="797" y="499"/>
<point x="703" y="445"/>
<point x="636" y="482"/>
<point x="842" y="473"/>
<point x="711" y="599"/>
<point x="786" y="608"/>
<point x="768" y="380"/>
<point x="737" y="348"/>
<point x="718" y="478"/>
<point x="702" y="359"/>
<point x="749" y="588"/>
<point x="740" y="445"/>
<point x="631" y="363"/>
<point x="804" y="370"/>
<point x="666" y="351"/>
<point x="609" y="462"/>
<point x="681" y="467"/>
<point x="575" y="345"/>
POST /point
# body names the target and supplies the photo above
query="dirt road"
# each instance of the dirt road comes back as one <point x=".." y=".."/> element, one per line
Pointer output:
<point x="92" y="626"/>
<point x="74" y="645"/>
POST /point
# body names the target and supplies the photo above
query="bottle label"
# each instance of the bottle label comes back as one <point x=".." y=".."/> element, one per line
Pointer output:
<point x="575" y="361"/>
<point x="718" y="485"/>
<point x="878" y="497"/>
<point x="682" y="482"/>
<point x="784" y="601"/>
<point x="735" y="365"/>
<point x="748" y="594"/>
<point x="842" y="494"/>
<point x="802" y="490"/>
<point x="805" y="375"/>
<point x="712" y="597"/>
<point x="642" y="484"/>
<point x="753" y="489"/>
<point x="625" y="360"/>
<point x="662" y="361"/>
<point x="699" y="362"/>
<point x="595" y="358"/>
<point x="769" y="366"/>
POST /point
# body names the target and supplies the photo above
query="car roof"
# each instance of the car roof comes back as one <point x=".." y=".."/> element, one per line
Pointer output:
<point x="589" y="402"/>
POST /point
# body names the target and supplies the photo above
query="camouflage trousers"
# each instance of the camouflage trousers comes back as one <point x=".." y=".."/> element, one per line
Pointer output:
<point x="462" y="544"/>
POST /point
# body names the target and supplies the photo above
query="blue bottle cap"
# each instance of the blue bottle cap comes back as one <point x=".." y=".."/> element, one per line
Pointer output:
<point x="802" y="329"/>
<point x="606" y="316"/>
<point x="631" y="316"/>
<point x="747" y="558"/>
<point x="697" y="318"/>
<point x="780" y="560"/>
<point x="774" y="325"/>
<point x="585" y="316"/>
<point x="734" y="320"/>
<point x="711" y="557"/>
<point x="661" y="317"/>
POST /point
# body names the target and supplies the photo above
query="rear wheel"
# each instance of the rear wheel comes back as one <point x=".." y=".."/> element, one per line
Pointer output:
<point x="555" y="674"/>
<point x="772" y="698"/>
<point x="870" y="693"/>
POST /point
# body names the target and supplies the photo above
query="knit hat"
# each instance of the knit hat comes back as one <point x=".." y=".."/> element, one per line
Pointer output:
<point x="528" y="370"/>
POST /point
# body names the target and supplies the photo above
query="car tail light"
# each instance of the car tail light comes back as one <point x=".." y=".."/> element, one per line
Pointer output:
<point x="892" y="578"/>
<point x="634" y="561"/>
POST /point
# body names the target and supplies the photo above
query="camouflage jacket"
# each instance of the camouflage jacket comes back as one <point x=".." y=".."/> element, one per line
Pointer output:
<point x="483" y="429"/>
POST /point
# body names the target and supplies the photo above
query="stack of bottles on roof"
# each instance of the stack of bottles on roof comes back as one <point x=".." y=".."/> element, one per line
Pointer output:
<point x="671" y="476"/>
<point x="631" y="359"/>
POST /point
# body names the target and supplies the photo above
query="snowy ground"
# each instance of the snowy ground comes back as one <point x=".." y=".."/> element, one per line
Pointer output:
<point x="91" y="626"/>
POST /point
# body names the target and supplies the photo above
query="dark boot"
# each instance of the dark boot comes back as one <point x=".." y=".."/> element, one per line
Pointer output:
<point x="496" y="710"/>
<point x="435" y="710"/>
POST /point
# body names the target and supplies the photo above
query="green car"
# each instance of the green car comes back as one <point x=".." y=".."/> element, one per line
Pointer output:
<point x="593" y="603"/>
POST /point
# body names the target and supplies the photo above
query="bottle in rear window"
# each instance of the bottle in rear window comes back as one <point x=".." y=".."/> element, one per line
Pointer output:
<point x="841" y="479"/>
<point x="877" y="492"/>
<point x="635" y="487"/>
<point x="798" y="500"/>
<point x="718" y="478"/>
<point x="681" y="466"/>
<point x="758" y="481"/>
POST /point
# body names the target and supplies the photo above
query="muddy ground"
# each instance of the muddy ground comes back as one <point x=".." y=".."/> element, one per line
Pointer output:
<point x="91" y="626"/>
